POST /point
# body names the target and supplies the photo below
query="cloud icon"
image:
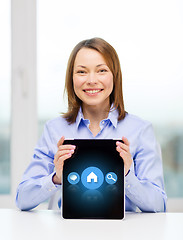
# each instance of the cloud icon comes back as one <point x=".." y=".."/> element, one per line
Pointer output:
<point x="73" y="177"/>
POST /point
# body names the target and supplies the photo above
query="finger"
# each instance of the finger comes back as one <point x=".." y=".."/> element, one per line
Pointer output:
<point x="60" y="158"/>
<point x="62" y="153"/>
<point x="119" y="149"/>
<point x="122" y="146"/>
<point x="125" y="140"/>
<point x="63" y="158"/>
<point x="127" y="159"/>
<point x="66" y="147"/>
<point x="61" y="141"/>
<point x="123" y="154"/>
<point x="65" y="152"/>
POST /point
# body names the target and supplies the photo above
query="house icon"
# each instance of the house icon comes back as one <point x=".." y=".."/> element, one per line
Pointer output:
<point x="92" y="176"/>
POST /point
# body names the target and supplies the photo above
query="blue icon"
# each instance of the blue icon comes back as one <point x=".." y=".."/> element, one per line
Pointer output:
<point x="92" y="177"/>
<point x="73" y="178"/>
<point x="111" y="178"/>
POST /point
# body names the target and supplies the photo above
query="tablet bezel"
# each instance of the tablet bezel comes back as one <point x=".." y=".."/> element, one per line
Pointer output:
<point x="88" y="141"/>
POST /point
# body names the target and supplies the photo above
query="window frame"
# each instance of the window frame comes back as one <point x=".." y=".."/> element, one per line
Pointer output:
<point x="23" y="92"/>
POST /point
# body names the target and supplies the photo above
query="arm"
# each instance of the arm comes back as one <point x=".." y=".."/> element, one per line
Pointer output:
<point x="144" y="184"/>
<point x="37" y="185"/>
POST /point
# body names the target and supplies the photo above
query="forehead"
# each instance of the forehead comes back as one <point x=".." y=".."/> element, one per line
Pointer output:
<point x="87" y="56"/>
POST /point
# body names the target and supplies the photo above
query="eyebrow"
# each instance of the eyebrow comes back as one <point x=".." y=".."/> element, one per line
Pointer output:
<point x="99" y="65"/>
<point x="81" y="66"/>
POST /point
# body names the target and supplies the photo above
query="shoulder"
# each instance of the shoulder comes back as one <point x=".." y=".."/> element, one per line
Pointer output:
<point x="133" y="119"/>
<point x="138" y="131"/>
<point x="134" y="125"/>
<point x="57" y="127"/>
<point x="58" y="122"/>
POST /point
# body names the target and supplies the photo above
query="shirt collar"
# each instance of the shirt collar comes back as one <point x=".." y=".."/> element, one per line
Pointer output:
<point x="80" y="118"/>
<point x="113" y="117"/>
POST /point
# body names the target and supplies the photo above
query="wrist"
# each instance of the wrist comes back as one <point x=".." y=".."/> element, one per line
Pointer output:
<point x="127" y="173"/>
<point x="55" y="179"/>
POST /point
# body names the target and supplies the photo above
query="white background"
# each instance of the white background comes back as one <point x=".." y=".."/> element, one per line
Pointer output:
<point x="147" y="36"/>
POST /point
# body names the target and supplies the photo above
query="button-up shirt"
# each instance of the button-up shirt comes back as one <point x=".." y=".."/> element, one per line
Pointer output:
<point x="144" y="185"/>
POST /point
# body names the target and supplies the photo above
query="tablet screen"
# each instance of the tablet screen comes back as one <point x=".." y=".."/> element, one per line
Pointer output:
<point x="93" y="181"/>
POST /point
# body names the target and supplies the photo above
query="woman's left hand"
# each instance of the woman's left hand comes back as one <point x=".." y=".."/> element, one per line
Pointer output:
<point x="124" y="152"/>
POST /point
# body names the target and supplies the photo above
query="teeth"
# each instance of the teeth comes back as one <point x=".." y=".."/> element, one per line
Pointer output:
<point x="92" y="91"/>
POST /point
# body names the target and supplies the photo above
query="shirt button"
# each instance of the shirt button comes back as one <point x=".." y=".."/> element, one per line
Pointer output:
<point x="103" y="122"/>
<point x="128" y="186"/>
<point x="51" y="189"/>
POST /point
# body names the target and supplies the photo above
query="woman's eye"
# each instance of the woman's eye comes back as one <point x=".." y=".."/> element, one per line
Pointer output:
<point x="81" y="72"/>
<point x="102" y="70"/>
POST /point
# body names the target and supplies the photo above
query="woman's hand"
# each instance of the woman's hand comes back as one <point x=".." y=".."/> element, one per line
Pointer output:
<point x="124" y="152"/>
<point x="64" y="152"/>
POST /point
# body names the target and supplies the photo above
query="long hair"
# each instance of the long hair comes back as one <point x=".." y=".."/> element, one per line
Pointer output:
<point x="112" y="61"/>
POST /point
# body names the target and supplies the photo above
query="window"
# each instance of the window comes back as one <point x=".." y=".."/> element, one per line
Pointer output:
<point x="17" y="88"/>
<point x="150" y="50"/>
<point x="5" y="97"/>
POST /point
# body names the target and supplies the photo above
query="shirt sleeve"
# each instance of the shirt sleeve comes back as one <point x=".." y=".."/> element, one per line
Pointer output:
<point x="37" y="185"/>
<point x="144" y="185"/>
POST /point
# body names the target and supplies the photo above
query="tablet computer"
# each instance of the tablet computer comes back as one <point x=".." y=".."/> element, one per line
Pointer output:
<point x="93" y="181"/>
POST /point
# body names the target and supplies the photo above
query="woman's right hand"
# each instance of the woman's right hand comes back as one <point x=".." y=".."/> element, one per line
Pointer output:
<point x="64" y="152"/>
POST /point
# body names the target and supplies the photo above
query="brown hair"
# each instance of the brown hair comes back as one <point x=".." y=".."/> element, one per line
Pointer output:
<point x="112" y="61"/>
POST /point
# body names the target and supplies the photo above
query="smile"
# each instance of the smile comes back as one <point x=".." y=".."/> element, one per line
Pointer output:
<point x="92" y="91"/>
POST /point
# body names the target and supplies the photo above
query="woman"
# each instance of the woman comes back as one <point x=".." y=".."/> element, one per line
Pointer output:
<point x="96" y="110"/>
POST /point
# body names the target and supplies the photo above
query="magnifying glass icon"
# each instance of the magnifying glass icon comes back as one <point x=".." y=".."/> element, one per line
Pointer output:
<point x="110" y="177"/>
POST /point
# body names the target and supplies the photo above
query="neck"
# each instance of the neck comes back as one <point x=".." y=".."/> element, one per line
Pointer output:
<point x="95" y="114"/>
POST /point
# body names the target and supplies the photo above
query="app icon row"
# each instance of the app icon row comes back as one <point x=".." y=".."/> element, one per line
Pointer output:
<point x="92" y="178"/>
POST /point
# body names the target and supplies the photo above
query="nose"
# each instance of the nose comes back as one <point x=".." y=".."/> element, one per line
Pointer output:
<point x="92" y="79"/>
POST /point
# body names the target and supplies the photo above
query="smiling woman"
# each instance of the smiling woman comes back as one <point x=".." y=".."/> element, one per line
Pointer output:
<point x="147" y="46"/>
<point x="94" y="84"/>
<point x="96" y="111"/>
<point x="94" y="73"/>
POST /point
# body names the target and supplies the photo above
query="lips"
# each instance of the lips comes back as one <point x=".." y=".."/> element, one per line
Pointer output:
<point x="92" y="91"/>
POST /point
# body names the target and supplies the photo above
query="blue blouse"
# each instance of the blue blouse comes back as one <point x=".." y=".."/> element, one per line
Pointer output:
<point x="144" y="185"/>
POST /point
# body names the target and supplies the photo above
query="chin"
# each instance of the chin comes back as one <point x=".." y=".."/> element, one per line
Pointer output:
<point x="102" y="104"/>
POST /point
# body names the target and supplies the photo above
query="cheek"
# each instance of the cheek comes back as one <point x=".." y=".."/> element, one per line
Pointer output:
<point x="77" y="83"/>
<point x="109" y="82"/>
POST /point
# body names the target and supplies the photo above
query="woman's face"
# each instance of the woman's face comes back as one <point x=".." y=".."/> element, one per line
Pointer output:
<point x="92" y="78"/>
